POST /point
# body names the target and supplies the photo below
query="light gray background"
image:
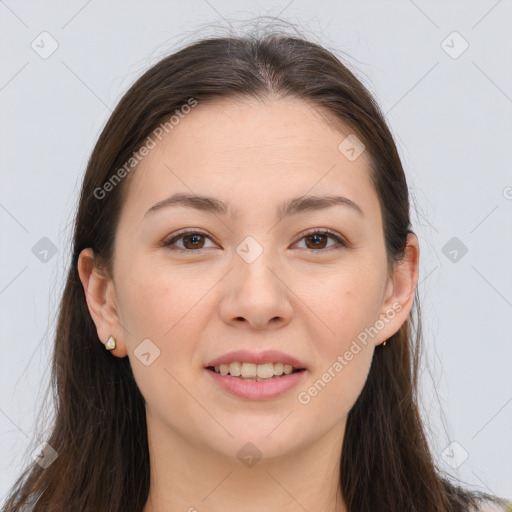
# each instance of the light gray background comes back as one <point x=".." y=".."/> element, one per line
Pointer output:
<point x="452" y="121"/>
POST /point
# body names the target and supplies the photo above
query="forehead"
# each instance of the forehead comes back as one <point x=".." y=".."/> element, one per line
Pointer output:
<point x="252" y="151"/>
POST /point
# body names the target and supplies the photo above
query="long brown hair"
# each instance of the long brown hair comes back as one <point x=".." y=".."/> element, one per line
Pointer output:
<point x="99" y="431"/>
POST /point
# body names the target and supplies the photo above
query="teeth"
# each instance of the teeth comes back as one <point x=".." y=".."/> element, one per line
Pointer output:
<point x="249" y="370"/>
<point x="254" y="371"/>
<point x="265" y="371"/>
<point x="278" y="368"/>
<point x="235" y="369"/>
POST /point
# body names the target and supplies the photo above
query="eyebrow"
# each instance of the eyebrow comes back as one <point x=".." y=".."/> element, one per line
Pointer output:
<point x="293" y="206"/>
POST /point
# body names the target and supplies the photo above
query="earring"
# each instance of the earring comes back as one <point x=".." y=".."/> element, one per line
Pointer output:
<point x="111" y="343"/>
<point x="384" y="344"/>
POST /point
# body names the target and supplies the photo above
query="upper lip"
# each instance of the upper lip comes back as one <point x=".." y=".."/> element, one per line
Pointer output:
<point x="267" y="356"/>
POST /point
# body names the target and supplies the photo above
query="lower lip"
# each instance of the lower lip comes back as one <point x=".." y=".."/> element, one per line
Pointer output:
<point x="257" y="390"/>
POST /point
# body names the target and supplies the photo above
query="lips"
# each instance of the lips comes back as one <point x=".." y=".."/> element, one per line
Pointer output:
<point x="257" y="389"/>
<point x="267" y="356"/>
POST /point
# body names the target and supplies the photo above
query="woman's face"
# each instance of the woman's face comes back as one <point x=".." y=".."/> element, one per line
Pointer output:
<point x="251" y="279"/>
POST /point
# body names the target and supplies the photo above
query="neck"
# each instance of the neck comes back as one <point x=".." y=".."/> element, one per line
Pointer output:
<point x="193" y="477"/>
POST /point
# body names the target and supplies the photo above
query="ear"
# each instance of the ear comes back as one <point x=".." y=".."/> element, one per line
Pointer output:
<point x="101" y="301"/>
<point x="400" y="292"/>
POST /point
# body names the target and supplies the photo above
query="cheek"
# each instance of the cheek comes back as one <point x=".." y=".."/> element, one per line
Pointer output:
<point x="164" y="307"/>
<point x="157" y="302"/>
<point x="347" y="302"/>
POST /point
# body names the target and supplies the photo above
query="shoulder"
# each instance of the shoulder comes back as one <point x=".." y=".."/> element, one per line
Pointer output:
<point x="494" y="505"/>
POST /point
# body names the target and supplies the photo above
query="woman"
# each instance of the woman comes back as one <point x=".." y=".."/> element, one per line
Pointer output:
<point x="243" y="251"/>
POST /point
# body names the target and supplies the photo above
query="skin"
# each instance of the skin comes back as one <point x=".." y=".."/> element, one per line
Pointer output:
<point x="199" y="305"/>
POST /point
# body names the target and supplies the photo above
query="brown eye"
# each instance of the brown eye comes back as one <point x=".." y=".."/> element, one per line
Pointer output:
<point x="191" y="241"/>
<point x="316" y="241"/>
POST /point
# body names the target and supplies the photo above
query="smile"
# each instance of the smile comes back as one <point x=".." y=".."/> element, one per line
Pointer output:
<point x="255" y="372"/>
<point x="256" y="388"/>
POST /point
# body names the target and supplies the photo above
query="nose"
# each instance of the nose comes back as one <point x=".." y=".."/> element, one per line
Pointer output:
<point x="255" y="293"/>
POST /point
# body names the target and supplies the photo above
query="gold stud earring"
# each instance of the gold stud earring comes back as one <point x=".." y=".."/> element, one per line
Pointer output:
<point x="384" y="344"/>
<point x="111" y="343"/>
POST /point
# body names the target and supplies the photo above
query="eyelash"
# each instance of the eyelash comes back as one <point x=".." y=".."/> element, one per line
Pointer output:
<point x="340" y="240"/>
